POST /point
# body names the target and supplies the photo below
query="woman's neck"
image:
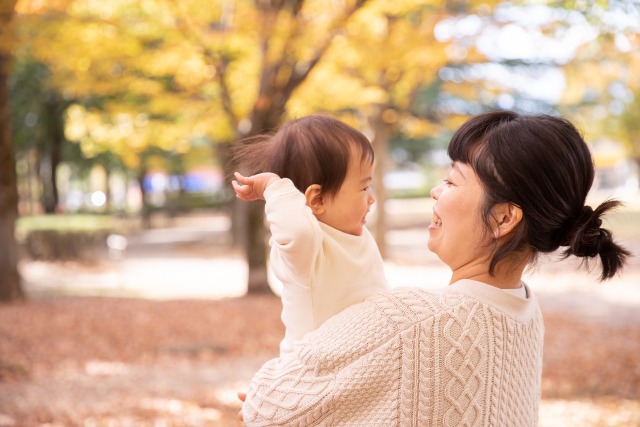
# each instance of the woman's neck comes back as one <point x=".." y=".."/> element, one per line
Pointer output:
<point x="507" y="275"/>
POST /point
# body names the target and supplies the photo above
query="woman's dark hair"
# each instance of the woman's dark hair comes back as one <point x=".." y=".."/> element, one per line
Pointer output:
<point x="310" y="150"/>
<point x="542" y="164"/>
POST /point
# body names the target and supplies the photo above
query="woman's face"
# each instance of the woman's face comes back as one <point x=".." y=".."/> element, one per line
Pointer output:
<point x="456" y="232"/>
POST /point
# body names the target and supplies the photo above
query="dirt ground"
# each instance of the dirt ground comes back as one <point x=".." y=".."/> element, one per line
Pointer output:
<point x="130" y="362"/>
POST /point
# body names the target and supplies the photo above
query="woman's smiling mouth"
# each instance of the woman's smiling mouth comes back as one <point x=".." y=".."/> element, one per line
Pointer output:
<point x="436" y="221"/>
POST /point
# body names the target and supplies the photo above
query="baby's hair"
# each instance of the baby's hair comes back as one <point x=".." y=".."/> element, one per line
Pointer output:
<point x="542" y="164"/>
<point x="314" y="149"/>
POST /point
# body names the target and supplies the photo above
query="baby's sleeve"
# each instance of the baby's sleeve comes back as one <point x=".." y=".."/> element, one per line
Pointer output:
<point x="296" y="240"/>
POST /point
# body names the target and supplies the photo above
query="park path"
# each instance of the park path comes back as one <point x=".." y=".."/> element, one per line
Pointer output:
<point x="191" y="257"/>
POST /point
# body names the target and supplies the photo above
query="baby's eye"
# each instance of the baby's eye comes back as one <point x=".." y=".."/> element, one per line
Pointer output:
<point x="447" y="182"/>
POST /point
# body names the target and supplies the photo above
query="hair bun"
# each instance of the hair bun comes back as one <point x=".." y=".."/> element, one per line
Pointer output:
<point x="587" y="238"/>
<point x="587" y="234"/>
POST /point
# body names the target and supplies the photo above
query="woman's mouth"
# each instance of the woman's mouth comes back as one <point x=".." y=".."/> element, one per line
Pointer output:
<point x="436" y="221"/>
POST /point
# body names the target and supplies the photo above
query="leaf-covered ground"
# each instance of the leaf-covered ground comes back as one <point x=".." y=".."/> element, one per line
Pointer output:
<point x="131" y="362"/>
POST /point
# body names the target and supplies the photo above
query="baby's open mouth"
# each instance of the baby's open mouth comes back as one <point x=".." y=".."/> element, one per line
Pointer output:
<point x="435" y="220"/>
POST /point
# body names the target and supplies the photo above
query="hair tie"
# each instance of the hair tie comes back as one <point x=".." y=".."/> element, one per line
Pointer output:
<point x="587" y="220"/>
<point x="584" y="239"/>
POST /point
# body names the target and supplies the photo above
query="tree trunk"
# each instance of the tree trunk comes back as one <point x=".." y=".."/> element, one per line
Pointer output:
<point x="108" y="196"/>
<point x="145" y="213"/>
<point x="10" y="286"/>
<point x="255" y="236"/>
<point x="236" y="206"/>
<point x="381" y="136"/>
<point x="256" y="250"/>
<point x="54" y="138"/>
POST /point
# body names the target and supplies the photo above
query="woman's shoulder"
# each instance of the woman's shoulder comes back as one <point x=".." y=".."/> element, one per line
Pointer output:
<point x="407" y="306"/>
<point x="403" y="299"/>
<point x="409" y="292"/>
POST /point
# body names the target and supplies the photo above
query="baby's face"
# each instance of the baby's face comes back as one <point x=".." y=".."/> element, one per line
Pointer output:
<point x="347" y="210"/>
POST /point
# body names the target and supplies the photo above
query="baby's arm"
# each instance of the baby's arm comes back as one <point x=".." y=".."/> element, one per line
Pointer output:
<point x="251" y="188"/>
<point x="295" y="244"/>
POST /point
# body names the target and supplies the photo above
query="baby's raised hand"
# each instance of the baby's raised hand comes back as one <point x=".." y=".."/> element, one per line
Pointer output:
<point x="252" y="187"/>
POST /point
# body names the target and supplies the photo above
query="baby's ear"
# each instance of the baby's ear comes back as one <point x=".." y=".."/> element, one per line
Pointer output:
<point x="313" y="194"/>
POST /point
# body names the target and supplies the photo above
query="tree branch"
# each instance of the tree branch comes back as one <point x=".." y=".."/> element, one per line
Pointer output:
<point x="298" y="77"/>
<point x="211" y="57"/>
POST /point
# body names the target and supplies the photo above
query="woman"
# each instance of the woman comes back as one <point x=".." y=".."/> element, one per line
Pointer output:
<point x="472" y="353"/>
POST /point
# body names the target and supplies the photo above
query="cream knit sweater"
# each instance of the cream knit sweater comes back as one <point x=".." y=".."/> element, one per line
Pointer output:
<point x="470" y="355"/>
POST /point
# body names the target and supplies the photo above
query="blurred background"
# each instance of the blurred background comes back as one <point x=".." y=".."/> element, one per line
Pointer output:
<point x="125" y="258"/>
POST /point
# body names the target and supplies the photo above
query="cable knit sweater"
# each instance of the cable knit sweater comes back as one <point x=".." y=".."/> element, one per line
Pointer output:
<point x="469" y="355"/>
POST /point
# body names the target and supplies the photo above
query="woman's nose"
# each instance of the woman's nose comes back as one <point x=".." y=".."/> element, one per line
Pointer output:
<point x="435" y="192"/>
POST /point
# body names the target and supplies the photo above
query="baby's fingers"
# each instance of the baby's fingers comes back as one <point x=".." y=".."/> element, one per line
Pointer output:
<point x="244" y="192"/>
<point x="243" y="179"/>
<point x="242" y="396"/>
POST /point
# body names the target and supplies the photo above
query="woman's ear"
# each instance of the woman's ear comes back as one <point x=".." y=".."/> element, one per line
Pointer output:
<point x="313" y="194"/>
<point x="506" y="216"/>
